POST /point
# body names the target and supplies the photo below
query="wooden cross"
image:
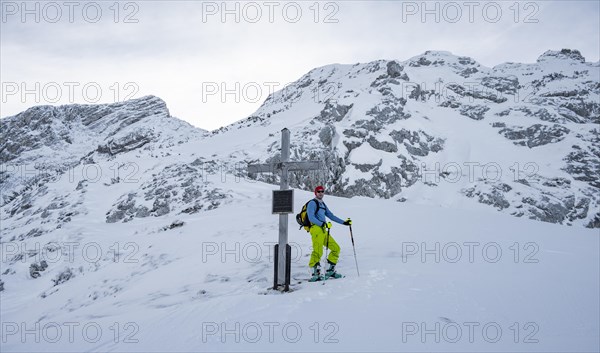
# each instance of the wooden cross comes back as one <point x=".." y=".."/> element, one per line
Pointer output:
<point x="282" y="168"/>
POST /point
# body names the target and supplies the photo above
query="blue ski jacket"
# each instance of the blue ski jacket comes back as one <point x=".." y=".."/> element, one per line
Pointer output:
<point x="319" y="218"/>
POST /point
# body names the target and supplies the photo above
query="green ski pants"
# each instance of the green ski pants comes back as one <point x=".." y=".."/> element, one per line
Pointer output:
<point x="319" y="239"/>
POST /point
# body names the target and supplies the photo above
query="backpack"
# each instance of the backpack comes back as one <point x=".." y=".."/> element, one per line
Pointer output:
<point x="302" y="217"/>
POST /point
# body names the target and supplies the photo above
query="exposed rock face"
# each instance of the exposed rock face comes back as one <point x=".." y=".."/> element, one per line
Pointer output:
<point x="395" y="70"/>
<point x="417" y="143"/>
<point x="583" y="163"/>
<point x="334" y="112"/>
<point x="58" y="127"/>
<point x="564" y="54"/>
<point x="177" y="188"/>
<point x="475" y="112"/>
<point x="508" y="85"/>
<point x="129" y="142"/>
<point x="535" y="135"/>
<point x="36" y="268"/>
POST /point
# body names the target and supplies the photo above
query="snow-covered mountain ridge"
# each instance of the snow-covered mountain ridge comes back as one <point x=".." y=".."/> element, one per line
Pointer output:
<point x="124" y="218"/>
<point x="435" y="129"/>
<point x="440" y="128"/>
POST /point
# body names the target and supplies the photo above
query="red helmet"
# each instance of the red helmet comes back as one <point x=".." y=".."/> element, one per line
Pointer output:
<point x="319" y="188"/>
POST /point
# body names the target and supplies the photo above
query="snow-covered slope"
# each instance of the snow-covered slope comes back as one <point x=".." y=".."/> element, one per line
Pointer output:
<point x="431" y="279"/>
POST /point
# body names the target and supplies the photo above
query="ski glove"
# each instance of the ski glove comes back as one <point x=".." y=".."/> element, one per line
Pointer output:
<point x="348" y="222"/>
<point x="326" y="225"/>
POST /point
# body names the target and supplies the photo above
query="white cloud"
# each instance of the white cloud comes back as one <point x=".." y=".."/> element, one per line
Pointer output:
<point x="176" y="48"/>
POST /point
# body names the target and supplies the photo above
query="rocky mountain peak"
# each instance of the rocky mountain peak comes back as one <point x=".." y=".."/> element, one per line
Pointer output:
<point x="62" y="126"/>
<point x="564" y="54"/>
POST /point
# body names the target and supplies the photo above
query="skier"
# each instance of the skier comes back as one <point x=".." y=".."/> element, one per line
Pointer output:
<point x="319" y="231"/>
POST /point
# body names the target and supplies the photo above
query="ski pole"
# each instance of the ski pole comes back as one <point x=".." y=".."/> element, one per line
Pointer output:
<point x="353" y="248"/>
<point x="327" y="244"/>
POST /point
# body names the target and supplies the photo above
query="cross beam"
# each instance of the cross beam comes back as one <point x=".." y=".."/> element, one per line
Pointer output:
<point x="282" y="168"/>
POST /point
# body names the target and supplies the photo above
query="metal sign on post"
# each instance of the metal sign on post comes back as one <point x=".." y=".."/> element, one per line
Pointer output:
<point x="283" y="201"/>
<point x="283" y="204"/>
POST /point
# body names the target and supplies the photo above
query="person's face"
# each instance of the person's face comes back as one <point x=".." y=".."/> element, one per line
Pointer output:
<point x="320" y="194"/>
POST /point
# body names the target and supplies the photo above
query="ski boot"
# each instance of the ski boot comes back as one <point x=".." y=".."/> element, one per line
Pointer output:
<point x="330" y="273"/>
<point x="316" y="275"/>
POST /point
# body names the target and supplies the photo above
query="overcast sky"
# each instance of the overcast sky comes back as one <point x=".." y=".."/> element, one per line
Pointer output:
<point x="190" y="52"/>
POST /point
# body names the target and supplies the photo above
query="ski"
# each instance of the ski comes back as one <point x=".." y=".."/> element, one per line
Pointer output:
<point x="316" y="278"/>
<point x="325" y="278"/>
<point x="334" y="276"/>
